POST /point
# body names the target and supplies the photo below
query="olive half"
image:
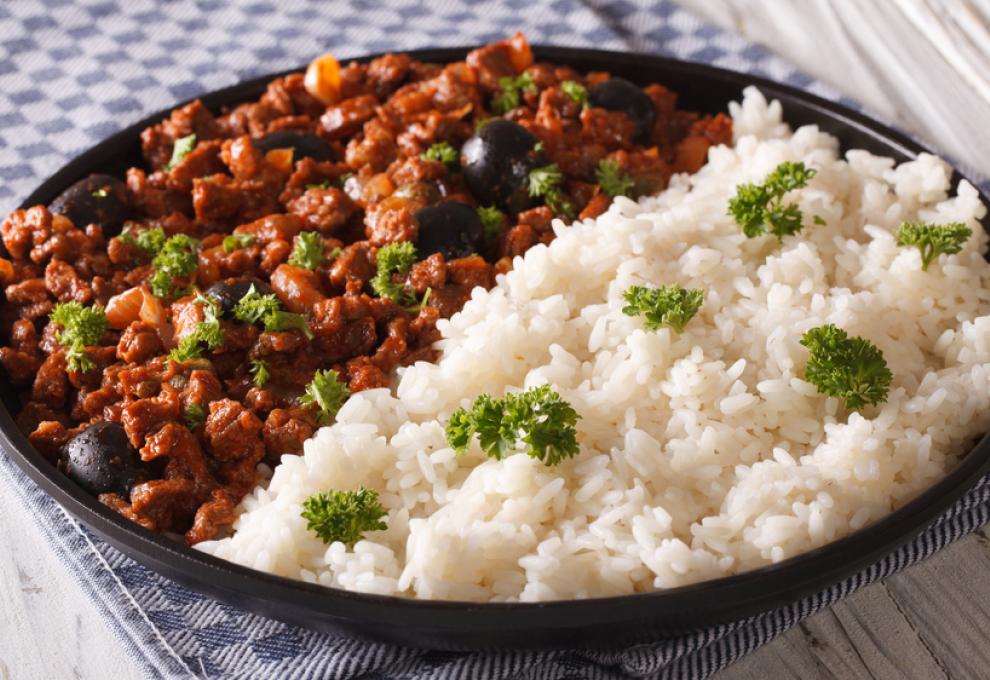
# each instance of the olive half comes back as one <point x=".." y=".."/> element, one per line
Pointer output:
<point x="453" y="229"/>
<point x="97" y="199"/>
<point x="228" y="293"/>
<point x="618" y="94"/>
<point x="100" y="459"/>
<point x="496" y="162"/>
<point x="303" y="144"/>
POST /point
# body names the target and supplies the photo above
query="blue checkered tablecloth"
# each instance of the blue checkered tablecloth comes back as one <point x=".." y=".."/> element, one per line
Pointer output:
<point x="71" y="73"/>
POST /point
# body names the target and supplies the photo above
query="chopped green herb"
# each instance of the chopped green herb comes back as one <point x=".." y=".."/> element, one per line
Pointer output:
<point x="613" y="180"/>
<point x="819" y="220"/>
<point x="208" y="332"/>
<point x="342" y="180"/>
<point x="183" y="147"/>
<point x="850" y="368"/>
<point x="537" y="417"/>
<point x="194" y="416"/>
<point x="82" y="327"/>
<point x="237" y="241"/>
<point x="491" y="220"/>
<point x="175" y="258"/>
<point x="394" y="259"/>
<point x="442" y="152"/>
<point x="260" y="372"/>
<point x="508" y="98"/>
<point x="344" y="515"/>
<point x="482" y="122"/>
<point x="148" y="241"/>
<point x="267" y="310"/>
<point x="325" y="184"/>
<point x="539" y="147"/>
<point x="575" y="91"/>
<point x="100" y="193"/>
<point x="664" y="306"/>
<point x="326" y="393"/>
<point x="933" y="240"/>
<point x="307" y="250"/>
<point x="759" y="208"/>
<point x="545" y="182"/>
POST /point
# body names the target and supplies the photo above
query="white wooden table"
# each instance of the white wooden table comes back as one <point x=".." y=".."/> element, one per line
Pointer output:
<point x="924" y="65"/>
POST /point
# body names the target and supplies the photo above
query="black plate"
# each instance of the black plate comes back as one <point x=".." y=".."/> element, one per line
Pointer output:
<point x="599" y="622"/>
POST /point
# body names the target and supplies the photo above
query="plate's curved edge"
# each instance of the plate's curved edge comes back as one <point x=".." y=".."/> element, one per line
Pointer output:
<point x="610" y="621"/>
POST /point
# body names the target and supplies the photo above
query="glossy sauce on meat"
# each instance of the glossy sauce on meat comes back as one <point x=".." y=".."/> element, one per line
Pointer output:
<point x="353" y="158"/>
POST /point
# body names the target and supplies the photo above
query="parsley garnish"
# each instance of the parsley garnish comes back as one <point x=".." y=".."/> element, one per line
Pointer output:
<point x="149" y="241"/>
<point x="236" y="241"/>
<point x="208" y="332"/>
<point x="395" y="258"/>
<point x="194" y="416"/>
<point x="510" y="87"/>
<point x="81" y="327"/>
<point x="491" y="220"/>
<point x="260" y="372"/>
<point x="664" y="306"/>
<point x="326" y="393"/>
<point x="546" y="182"/>
<point x="267" y="310"/>
<point x="176" y="258"/>
<point x="442" y="152"/>
<point x="307" y="250"/>
<point x="933" y="240"/>
<point x="344" y="515"/>
<point x="613" y="180"/>
<point x="575" y="91"/>
<point x="183" y="147"/>
<point x="758" y="208"/>
<point x="850" y="368"/>
<point x="100" y="193"/>
<point x="325" y="184"/>
<point x="537" y="417"/>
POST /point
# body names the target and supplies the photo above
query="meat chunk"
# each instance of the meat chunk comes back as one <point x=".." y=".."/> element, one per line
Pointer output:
<point x="233" y="432"/>
<point x="287" y="429"/>
<point x="321" y="209"/>
<point x="145" y="416"/>
<point x="138" y="343"/>
<point x="297" y="288"/>
<point x="347" y="117"/>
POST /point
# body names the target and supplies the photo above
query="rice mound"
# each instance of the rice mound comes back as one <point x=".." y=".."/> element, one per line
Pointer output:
<point x="702" y="454"/>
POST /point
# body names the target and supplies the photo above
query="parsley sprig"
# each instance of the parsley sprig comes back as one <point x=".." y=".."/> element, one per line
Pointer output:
<point x="442" y="152"/>
<point x="508" y="97"/>
<point x="307" y="250"/>
<point x="174" y="259"/>
<point x="491" y="221"/>
<point x="613" y="180"/>
<point x="850" y="368"/>
<point x="537" y="417"/>
<point x="759" y="208"/>
<point x="344" y="515"/>
<point x="194" y="416"/>
<point x="669" y="306"/>
<point x="254" y="307"/>
<point x="259" y="372"/>
<point x="394" y="259"/>
<point x="208" y="332"/>
<point x="182" y="147"/>
<point x="933" y="240"/>
<point x="82" y="327"/>
<point x="545" y="182"/>
<point x="234" y="242"/>
<point x="575" y="91"/>
<point x="326" y="393"/>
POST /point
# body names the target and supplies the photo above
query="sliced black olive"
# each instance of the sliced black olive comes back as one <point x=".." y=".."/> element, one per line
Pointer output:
<point x="453" y="229"/>
<point x="97" y="199"/>
<point x="618" y="94"/>
<point x="230" y="291"/>
<point x="303" y="144"/>
<point x="100" y="459"/>
<point x="496" y="162"/>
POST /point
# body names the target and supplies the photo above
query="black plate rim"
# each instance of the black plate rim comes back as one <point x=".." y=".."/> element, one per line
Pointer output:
<point x="721" y="600"/>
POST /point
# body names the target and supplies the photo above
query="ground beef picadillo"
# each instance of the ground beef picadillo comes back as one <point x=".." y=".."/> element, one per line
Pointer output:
<point x="354" y="154"/>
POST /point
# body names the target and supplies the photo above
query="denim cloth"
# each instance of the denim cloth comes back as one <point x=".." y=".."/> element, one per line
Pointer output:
<point x="71" y="73"/>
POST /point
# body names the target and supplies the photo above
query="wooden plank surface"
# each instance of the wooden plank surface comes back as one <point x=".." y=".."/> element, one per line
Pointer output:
<point x="924" y="65"/>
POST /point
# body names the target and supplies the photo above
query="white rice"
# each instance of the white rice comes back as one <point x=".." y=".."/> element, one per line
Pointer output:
<point x="702" y="454"/>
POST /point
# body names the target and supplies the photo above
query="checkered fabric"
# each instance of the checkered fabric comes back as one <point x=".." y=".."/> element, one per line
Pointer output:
<point x="72" y="73"/>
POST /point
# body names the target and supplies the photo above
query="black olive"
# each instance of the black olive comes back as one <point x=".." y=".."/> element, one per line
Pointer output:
<point x="303" y="144"/>
<point x="496" y="162"/>
<point x="100" y="459"/>
<point x="618" y="94"/>
<point x="230" y="291"/>
<point x="453" y="229"/>
<point x="97" y="199"/>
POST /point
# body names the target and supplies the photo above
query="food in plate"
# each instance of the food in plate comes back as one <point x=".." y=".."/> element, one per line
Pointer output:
<point x="762" y="358"/>
<point x="169" y="331"/>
